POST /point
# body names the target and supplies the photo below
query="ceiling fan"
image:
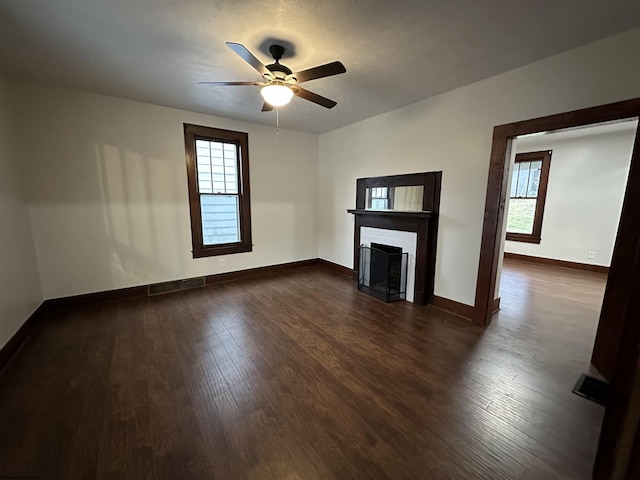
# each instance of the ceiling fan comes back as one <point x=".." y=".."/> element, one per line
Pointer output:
<point x="280" y="84"/>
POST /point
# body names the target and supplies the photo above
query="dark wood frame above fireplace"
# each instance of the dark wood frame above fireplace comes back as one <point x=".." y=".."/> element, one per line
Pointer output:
<point x="423" y="223"/>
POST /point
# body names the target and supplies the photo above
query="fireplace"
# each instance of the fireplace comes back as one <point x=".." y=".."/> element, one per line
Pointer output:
<point x="401" y="210"/>
<point x="382" y="272"/>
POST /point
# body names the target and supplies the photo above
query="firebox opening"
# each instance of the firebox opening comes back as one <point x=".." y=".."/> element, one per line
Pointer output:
<point x="383" y="272"/>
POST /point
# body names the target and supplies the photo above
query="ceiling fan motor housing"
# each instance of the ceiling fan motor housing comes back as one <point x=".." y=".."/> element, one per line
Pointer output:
<point x="277" y="51"/>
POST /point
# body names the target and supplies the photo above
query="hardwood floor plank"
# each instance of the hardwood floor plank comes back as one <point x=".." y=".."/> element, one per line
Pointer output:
<point x="300" y="376"/>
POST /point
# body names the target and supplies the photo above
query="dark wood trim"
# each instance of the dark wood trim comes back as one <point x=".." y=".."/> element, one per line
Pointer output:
<point x="523" y="237"/>
<point x="536" y="235"/>
<point x="577" y="118"/>
<point x="542" y="190"/>
<point x="498" y="180"/>
<point x="336" y="267"/>
<point x="493" y="222"/>
<point x="427" y="179"/>
<point x="97" y="297"/>
<point x="17" y="339"/>
<point x="259" y="271"/>
<point x="620" y="289"/>
<point x="433" y="204"/>
<point x="241" y="140"/>
<point x="619" y="444"/>
<point x="557" y="263"/>
<point x="423" y="223"/>
<point x="144" y="290"/>
<point x="391" y="197"/>
<point x="226" y="249"/>
<point x="460" y="309"/>
<point x="634" y="464"/>
<point x="495" y="305"/>
<point x="386" y="213"/>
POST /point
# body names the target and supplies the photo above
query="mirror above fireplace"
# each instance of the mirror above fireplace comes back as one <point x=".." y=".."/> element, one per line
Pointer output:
<point x="395" y="198"/>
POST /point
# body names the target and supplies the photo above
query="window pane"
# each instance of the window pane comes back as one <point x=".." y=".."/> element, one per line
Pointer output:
<point x="379" y="192"/>
<point x="202" y="147"/>
<point x="230" y="165"/>
<point x="220" y="219"/>
<point x="534" y="178"/>
<point x="216" y="167"/>
<point x="521" y="214"/>
<point x="379" y="204"/>
<point x="514" y="179"/>
<point x="523" y="178"/>
<point x="205" y="187"/>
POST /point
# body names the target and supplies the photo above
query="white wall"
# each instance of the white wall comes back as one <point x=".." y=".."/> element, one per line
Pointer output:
<point x="452" y="132"/>
<point x="587" y="180"/>
<point x="108" y="192"/>
<point x="20" y="290"/>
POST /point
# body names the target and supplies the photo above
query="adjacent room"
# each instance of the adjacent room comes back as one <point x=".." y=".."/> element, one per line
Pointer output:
<point x="566" y="192"/>
<point x="267" y="240"/>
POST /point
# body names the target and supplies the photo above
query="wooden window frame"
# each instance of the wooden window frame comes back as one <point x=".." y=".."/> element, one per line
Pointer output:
<point x="241" y="139"/>
<point x="536" y="235"/>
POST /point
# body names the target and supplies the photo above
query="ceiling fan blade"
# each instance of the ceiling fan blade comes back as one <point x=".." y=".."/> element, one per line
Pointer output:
<point x="313" y="97"/>
<point x="266" y="107"/>
<point x="225" y="84"/>
<point x="248" y="57"/>
<point x="327" y="70"/>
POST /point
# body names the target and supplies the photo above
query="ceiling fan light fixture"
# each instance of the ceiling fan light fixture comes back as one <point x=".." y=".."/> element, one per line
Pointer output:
<point x="279" y="83"/>
<point x="276" y="94"/>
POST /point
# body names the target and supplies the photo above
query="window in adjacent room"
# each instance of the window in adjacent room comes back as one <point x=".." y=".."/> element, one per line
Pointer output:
<point x="218" y="178"/>
<point x="526" y="200"/>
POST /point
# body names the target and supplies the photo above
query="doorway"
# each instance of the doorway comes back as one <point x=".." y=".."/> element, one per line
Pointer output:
<point x="563" y="205"/>
<point x="618" y="331"/>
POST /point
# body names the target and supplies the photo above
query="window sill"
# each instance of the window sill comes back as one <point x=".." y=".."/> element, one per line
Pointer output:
<point x="520" y="237"/>
<point x="222" y="250"/>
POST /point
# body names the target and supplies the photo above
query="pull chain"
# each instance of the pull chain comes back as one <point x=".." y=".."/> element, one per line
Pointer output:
<point x="277" y="123"/>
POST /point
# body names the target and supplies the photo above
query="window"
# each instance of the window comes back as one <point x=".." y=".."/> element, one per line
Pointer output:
<point x="218" y="178"/>
<point x="380" y="198"/>
<point x="526" y="199"/>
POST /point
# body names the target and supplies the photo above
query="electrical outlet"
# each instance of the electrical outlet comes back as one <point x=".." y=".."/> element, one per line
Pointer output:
<point x="591" y="255"/>
<point x="222" y="262"/>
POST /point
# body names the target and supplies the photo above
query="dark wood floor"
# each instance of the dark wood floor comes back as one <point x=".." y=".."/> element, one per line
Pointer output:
<point x="299" y="376"/>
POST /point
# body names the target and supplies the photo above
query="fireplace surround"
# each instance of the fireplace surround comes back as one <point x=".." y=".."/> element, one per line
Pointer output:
<point x="423" y="222"/>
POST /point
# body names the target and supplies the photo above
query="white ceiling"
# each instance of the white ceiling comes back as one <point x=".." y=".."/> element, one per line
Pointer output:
<point x="395" y="52"/>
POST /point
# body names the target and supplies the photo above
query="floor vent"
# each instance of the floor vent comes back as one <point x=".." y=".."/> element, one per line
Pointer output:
<point x="592" y="388"/>
<point x="176" y="285"/>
